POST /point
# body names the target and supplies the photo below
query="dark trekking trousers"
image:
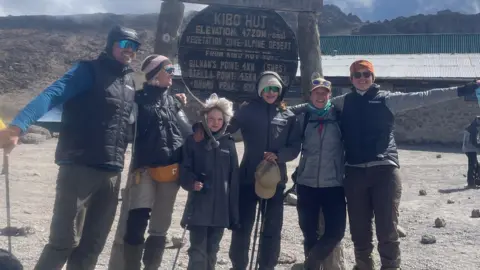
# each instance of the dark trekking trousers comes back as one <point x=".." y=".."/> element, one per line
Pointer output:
<point x="85" y="206"/>
<point x="271" y="237"/>
<point x="330" y="201"/>
<point x="374" y="191"/>
<point x="204" y="246"/>
<point x="472" y="174"/>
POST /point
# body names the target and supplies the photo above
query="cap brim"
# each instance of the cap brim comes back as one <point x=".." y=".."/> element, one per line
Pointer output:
<point x="320" y="86"/>
<point x="264" y="193"/>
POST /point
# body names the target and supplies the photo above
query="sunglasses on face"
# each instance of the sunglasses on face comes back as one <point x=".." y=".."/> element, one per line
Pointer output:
<point x="170" y="70"/>
<point x="128" y="44"/>
<point x="273" y="89"/>
<point x="365" y="74"/>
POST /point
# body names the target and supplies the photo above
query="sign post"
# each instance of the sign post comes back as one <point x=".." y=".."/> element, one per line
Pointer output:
<point x="284" y="5"/>
<point x="223" y="49"/>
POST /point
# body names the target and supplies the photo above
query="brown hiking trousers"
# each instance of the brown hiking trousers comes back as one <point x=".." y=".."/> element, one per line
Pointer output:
<point x="374" y="191"/>
<point x="85" y="206"/>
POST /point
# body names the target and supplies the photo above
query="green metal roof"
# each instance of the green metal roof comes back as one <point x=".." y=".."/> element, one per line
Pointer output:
<point x="400" y="44"/>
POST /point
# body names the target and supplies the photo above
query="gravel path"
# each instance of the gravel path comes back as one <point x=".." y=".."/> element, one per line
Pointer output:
<point x="33" y="175"/>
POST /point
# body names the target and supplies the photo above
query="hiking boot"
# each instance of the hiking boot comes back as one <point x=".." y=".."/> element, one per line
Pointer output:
<point x="132" y="256"/>
<point x="154" y="247"/>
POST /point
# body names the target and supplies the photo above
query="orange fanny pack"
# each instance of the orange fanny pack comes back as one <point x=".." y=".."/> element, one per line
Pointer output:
<point x="164" y="173"/>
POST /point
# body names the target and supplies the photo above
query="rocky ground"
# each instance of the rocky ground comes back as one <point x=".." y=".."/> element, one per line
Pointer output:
<point x="438" y="171"/>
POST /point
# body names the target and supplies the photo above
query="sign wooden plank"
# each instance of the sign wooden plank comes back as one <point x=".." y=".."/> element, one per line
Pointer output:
<point x="285" y="5"/>
<point x="224" y="49"/>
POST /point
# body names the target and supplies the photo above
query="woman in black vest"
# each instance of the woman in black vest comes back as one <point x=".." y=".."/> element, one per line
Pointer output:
<point x="372" y="179"/>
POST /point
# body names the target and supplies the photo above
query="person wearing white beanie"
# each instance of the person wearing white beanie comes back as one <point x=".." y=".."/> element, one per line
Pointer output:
<point x="271" y="133"/>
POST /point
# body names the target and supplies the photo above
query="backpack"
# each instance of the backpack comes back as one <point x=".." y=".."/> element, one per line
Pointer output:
<point x="306" y="120"/>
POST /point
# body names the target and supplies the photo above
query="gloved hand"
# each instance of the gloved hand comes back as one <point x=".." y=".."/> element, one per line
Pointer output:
<point x="198" y="133"/>
<point x="468" y="89"/>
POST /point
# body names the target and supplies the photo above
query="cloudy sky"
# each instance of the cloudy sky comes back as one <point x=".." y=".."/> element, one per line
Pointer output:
<point x="366" y="9"/>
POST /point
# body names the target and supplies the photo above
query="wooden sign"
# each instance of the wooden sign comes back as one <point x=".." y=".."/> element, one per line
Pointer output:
<point x="285" y="5"/>
<point x="224" y="49"/>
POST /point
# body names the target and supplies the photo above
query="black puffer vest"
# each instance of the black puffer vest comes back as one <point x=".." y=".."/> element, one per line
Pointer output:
<point x="94" y="124"/>
<point x="159" y="136"/>
<point x="367" y="126"/>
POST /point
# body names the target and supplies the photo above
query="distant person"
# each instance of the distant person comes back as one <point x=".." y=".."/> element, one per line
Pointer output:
<point x="471" y="147"/>
<point x="372" y="177"/>
<point x="152" y="185"/>
<point x="319" y="178"/>
<point x="210" y="175"/>
<point x="98" y="100"/>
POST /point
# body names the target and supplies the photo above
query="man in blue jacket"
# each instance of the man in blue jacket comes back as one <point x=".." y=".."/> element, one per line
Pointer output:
<point x="98" y="100"/>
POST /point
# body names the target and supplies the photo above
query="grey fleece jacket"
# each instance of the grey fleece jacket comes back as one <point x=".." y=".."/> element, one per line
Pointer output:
<point x="322" y="159"/>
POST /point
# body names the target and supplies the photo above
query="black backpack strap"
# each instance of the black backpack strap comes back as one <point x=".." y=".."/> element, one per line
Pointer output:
<point x="306" y="118"/>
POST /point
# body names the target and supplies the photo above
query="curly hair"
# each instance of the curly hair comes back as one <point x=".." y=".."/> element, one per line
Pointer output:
<point x="222" y="104"/>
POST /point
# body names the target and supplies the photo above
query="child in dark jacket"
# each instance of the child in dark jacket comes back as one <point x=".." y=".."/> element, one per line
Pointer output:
<point x="209" y="172"/>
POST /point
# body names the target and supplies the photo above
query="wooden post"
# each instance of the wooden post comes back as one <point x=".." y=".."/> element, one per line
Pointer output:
<point x="169" y="22"/>
<point x="308" y="38"/>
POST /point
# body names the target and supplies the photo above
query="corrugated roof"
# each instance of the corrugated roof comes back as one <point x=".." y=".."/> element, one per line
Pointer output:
<point x="404" y="65"/>
<point x="400" y="44"/>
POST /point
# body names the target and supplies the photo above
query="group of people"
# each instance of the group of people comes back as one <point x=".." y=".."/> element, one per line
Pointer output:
<point x="349" y="164"/>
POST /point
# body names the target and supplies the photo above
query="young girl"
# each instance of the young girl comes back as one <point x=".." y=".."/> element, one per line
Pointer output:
<point x="209" y="172"/>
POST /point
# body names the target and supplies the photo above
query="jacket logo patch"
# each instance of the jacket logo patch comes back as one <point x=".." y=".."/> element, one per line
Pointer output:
<point x="279" y="121"/>
<point x="226" y="151"/>
<point x="375" y="101"/>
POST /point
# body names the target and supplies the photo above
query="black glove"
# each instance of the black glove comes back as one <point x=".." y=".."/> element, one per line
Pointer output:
<point x="468" y="89"/>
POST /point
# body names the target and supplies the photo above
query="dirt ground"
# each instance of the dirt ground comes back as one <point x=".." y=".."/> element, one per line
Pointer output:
<point x="33" y="174"/>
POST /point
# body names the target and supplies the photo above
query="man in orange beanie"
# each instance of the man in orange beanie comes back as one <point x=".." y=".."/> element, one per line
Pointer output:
<point x="372" y="180"/>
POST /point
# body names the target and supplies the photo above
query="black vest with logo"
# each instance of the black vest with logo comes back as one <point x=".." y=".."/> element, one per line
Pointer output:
<point x="368" y="126"/>
<point x="94" y="124"/>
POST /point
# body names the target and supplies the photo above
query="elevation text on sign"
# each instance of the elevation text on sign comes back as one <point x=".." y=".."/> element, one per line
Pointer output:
<point x="224" y="49"/>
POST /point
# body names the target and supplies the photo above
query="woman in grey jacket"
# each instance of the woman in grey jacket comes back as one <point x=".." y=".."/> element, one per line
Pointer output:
<point x="319" y="176"/>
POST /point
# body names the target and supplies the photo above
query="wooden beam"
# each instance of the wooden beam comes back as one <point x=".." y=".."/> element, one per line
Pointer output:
<point x="168" y="24"/>
<point x="285" y="5"/>
<point x="308" y="37"/>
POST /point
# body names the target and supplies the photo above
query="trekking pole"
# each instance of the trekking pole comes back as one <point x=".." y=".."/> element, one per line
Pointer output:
<point x="257" y="220"/>
<point x="7" y="190"/>
<point x="179" y="248"/>
<point x="264" y="217"/>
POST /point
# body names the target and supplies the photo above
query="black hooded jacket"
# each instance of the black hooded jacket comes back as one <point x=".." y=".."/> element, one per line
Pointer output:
<point x="216" y="204"/>
<point x="162" y="127"/>
<point x="266" y="128"/>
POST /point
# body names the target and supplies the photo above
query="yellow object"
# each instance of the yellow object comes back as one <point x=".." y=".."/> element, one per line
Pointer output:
<point x="2" y="124"/>
<point x="164" y="174"/>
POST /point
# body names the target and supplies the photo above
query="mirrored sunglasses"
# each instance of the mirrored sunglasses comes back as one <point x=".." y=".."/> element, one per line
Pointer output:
<point x="271" y="89"/>
<point x="365" y="74"/>
<point x="321" y="82"/>
<point x="170" y="70"/>
<point x="128" y="44"/>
